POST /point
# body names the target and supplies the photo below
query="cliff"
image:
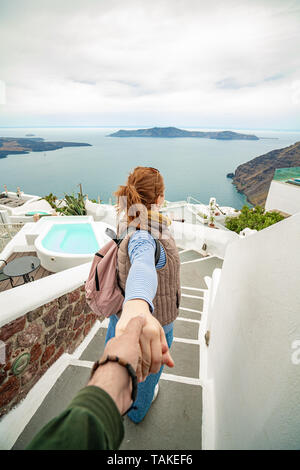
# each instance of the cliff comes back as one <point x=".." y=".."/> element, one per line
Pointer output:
<point x="14" y="146"/>
<point x="254" y="177"/>
<point x="174" y="132"/>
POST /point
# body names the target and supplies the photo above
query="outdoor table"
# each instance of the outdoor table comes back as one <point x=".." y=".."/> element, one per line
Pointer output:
<point x="22" y="267"/>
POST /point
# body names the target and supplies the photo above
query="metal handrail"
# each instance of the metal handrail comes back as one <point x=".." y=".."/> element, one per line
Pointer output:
<point x="189" y="198"/>
<point x="217" y="205"/>
<point x="172" y="205"/>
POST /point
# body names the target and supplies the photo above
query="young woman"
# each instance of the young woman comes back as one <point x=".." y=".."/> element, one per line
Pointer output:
<point x="151" y="289"/>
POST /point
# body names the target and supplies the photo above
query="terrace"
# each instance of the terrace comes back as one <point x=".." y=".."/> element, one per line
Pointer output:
<point x="228" y="283"/>
<point x="19" y="208"/>
<point x="11" y="202"/>
<point x="58" y="292"/>
<point x="18" y="281"/>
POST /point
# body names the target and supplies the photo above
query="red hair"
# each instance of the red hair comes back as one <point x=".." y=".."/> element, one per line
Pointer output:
<point x="144" y="185"/>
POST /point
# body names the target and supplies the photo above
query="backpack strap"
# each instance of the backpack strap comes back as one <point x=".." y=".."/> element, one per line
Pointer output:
<point x="123" y="235"/>
<point x="111" y="233"/>
<point x="157" y="251"/>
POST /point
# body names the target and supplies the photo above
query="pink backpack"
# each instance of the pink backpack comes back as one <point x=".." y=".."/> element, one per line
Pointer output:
<point x="103" y="293"/>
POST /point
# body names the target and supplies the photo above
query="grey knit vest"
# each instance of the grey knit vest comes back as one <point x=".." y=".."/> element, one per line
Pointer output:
<point x="167" y="298"/>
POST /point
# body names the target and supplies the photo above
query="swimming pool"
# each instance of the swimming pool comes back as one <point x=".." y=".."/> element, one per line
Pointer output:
<point x="65" y="244"/>
<point x="71" y="238"/>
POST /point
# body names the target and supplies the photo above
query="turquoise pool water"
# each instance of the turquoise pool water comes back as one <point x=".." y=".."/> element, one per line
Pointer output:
<point x="37" y="212"/>
<point x="283" y="174"/>
<point x="76" y="239"/>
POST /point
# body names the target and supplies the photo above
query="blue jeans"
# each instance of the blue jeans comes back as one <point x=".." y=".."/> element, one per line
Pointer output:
<point x="146" y="388"/>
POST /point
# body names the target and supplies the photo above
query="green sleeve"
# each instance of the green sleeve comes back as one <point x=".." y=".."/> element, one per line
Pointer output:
<point x="92" y="422"/>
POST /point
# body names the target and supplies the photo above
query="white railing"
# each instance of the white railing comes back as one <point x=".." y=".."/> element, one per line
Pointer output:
<point x="7" y="233"/>
<point x="173" y="205"/>
<point x="191" y="202"/>
<point x="191" y="198"/>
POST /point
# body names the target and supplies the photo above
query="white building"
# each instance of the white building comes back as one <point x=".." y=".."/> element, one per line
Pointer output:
<point x="284" y="192"/>
<point x="251" y="369"/>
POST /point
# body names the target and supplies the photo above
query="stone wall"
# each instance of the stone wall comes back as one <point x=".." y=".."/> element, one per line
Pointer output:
<point x="33" y="342"/>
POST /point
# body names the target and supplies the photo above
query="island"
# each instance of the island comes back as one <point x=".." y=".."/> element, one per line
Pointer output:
<point x="174" y="132"/>
<point x="253" y="178"/>
<point x="16" y="146"/>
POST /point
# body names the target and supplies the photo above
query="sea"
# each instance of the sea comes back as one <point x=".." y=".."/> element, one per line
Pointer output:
<point x="190" y="166"/>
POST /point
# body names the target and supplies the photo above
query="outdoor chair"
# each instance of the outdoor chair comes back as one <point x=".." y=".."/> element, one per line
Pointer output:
<point x="3" y="276"/>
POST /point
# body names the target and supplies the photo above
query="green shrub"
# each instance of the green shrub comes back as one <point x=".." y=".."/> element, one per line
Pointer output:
<point x="74" y="205"/>
<point x="255" y="219"/>
<point x="50" y="199"/>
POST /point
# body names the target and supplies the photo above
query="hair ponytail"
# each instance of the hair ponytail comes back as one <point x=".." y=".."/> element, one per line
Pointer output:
<point x="127" y="196"/>
<point x="132" y="195"/>
<point x="143" y="187"/>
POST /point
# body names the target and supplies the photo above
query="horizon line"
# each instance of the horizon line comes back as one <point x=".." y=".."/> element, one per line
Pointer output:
<point x="139" y="127"/>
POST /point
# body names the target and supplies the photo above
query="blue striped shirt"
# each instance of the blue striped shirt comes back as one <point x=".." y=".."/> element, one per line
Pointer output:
<point x="142" y="277"/>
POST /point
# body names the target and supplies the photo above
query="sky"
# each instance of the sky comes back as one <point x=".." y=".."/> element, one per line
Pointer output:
<point x="189" y="63"/>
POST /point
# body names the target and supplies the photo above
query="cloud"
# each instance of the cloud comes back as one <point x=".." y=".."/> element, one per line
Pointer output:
<point x="230" y="83"/>
<point x="183" y="58"/>
<point x="278" y="76"/>
<point x="84" y="82"/>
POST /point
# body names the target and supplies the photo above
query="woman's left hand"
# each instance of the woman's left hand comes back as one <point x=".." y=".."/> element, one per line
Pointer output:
<point x="153" y="343"/>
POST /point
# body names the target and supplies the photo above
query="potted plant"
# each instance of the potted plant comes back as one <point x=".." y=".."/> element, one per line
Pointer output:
<point x="203" y="217"/>
<point x="211" y="220"/>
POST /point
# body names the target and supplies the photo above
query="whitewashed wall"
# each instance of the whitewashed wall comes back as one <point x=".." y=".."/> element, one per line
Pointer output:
<point x="284" y="197"/>
<point x="102" y="212"/>
<point x="192" y="237"/>
<point x="253" y="370"/>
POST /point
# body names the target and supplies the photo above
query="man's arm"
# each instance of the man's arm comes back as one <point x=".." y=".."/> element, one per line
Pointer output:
<point x="93" y="418"/>
<point x="92" y="421"/>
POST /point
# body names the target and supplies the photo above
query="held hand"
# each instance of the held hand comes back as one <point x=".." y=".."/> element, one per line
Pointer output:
<point x="114" y="378"/>
<point x="127" y="345"/>
<point x="153" y="344"/>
